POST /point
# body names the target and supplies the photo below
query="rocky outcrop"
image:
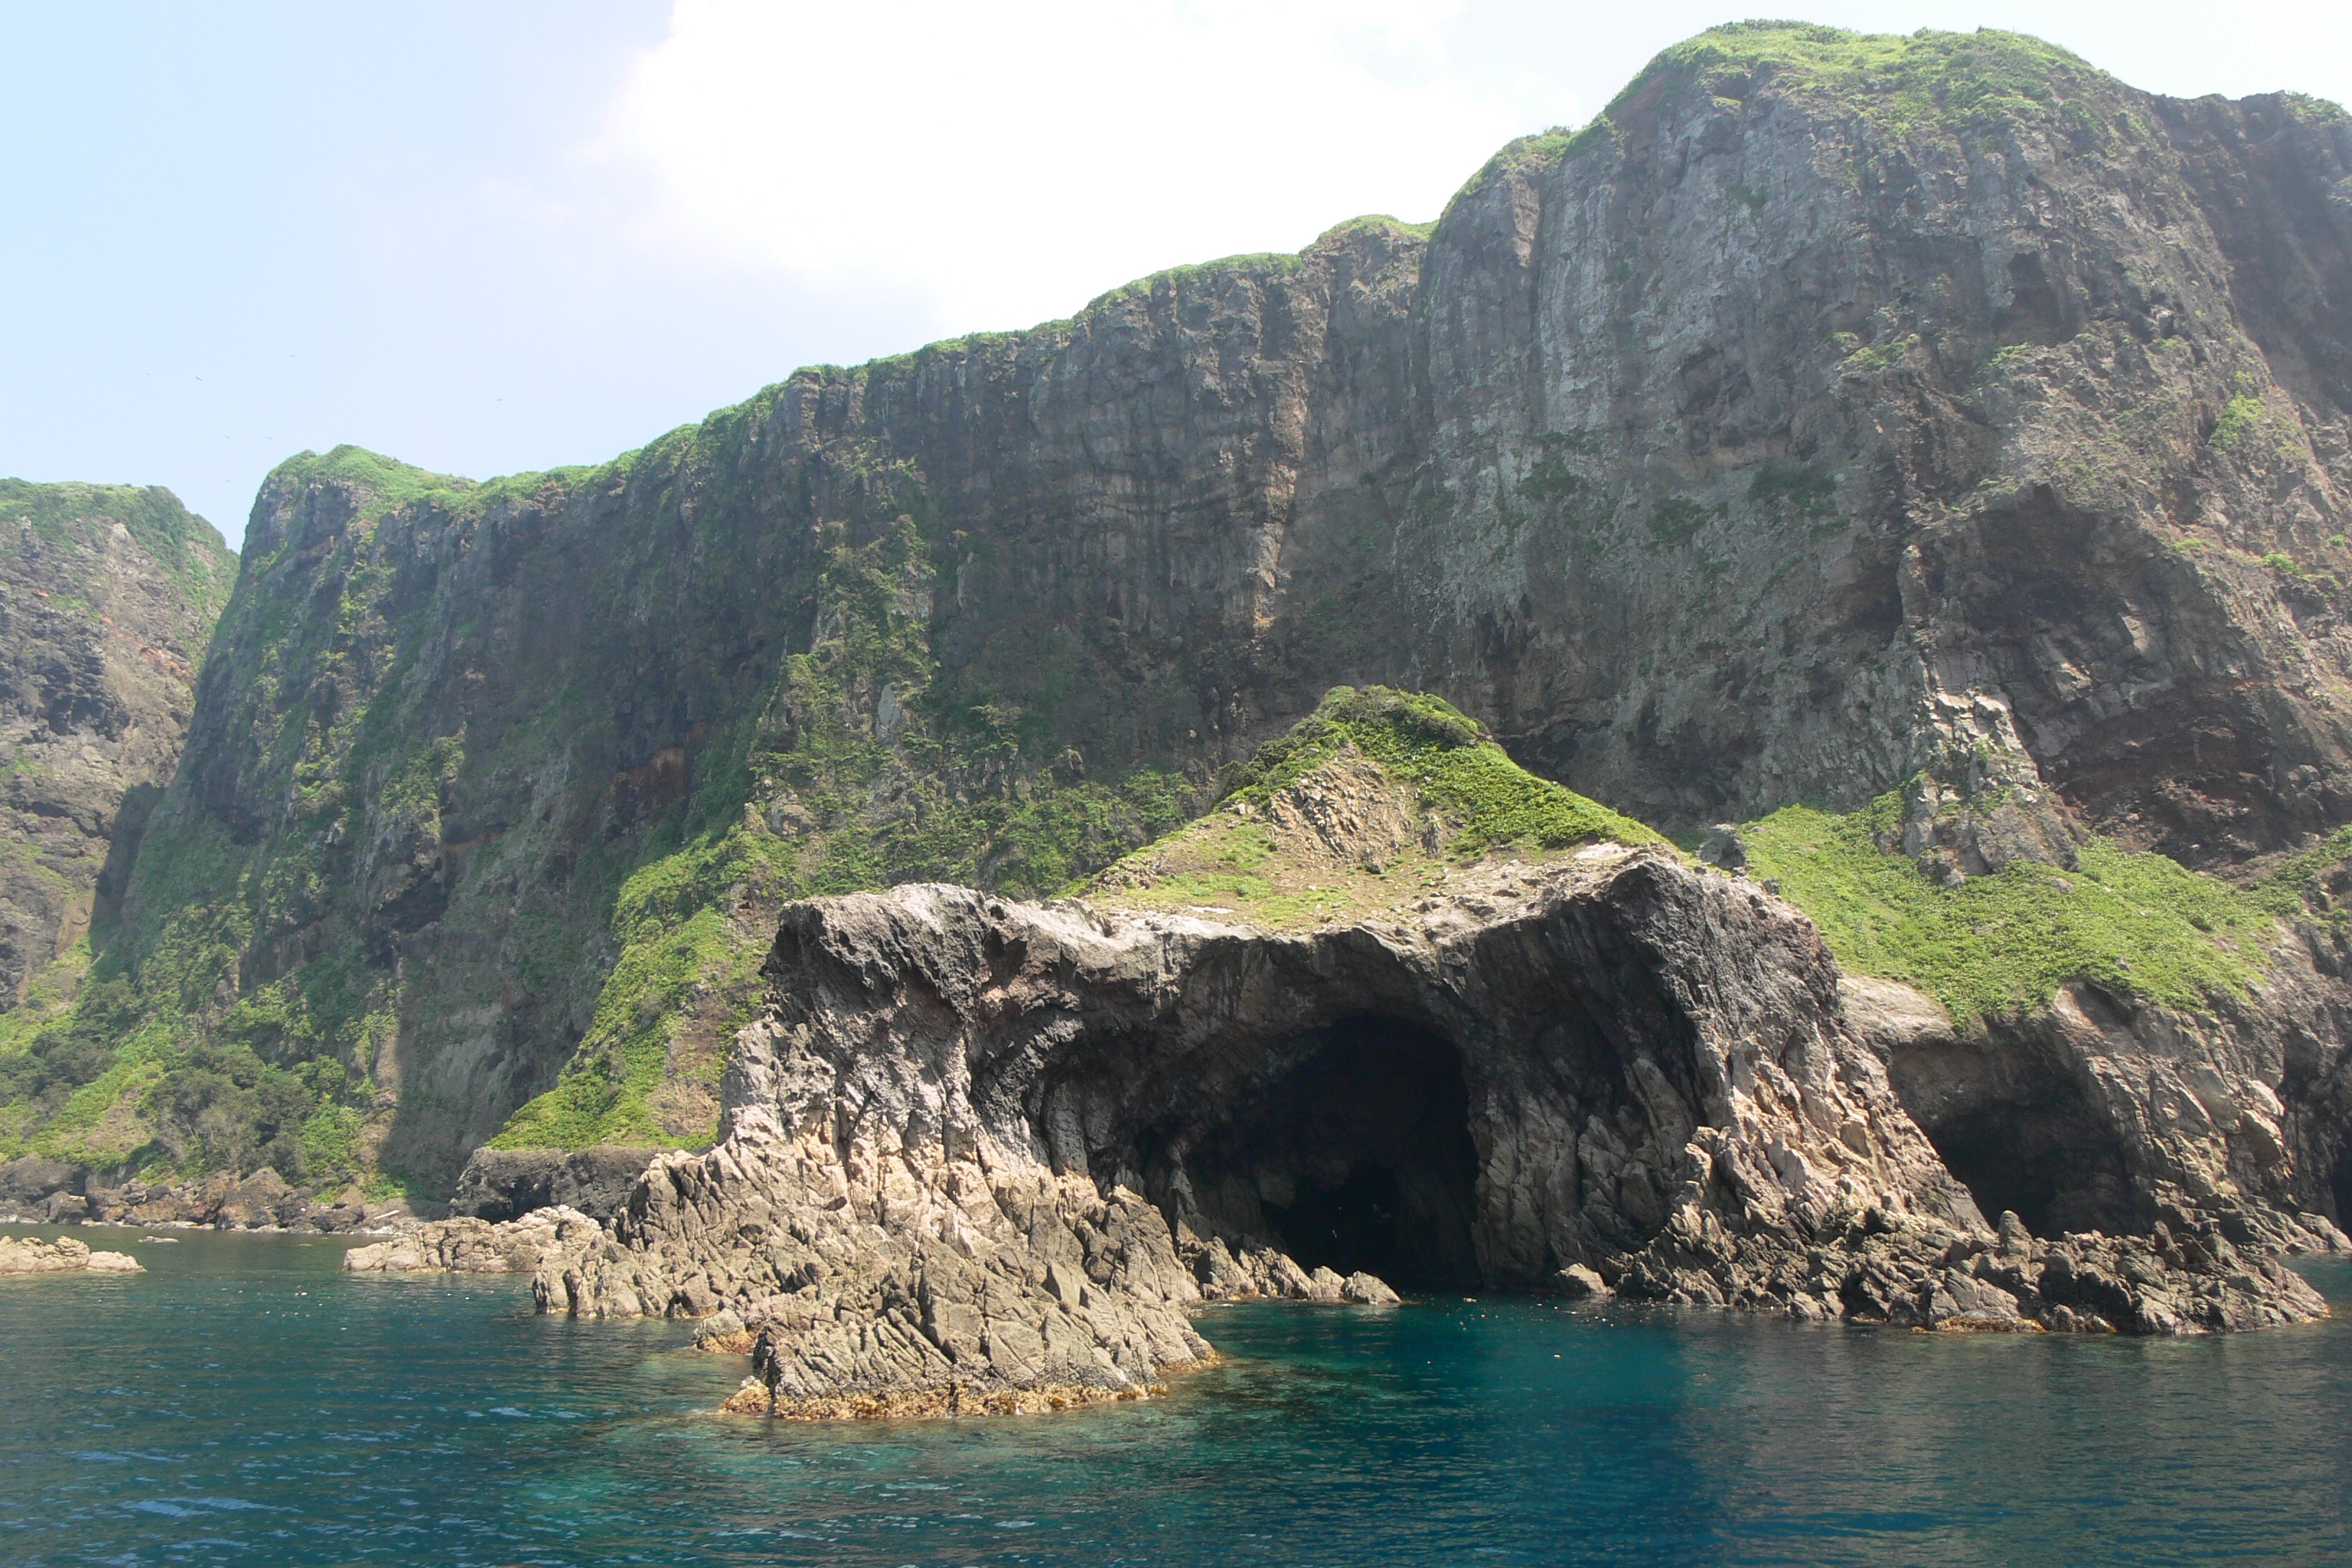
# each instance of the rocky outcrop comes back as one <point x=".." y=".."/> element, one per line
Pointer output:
<point x="508" y="1184"/>
<point x="2102" y="1113"/>
<point x="108" y="597"/>
<point x="980" y="1145"/>
<point x="545" y="1239"/>
<point x="31" y="1255"/>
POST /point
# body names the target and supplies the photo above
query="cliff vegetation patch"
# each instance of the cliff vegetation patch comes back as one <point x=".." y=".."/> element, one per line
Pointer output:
<point x="1374" y="801"/>
<point x="2137" y="923"/>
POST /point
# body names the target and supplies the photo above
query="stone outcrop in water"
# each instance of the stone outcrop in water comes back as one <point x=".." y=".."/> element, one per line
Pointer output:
<point x="540" y="1239"/>
<point x="31" y="1255"/>
<point x="985" y="1146"/>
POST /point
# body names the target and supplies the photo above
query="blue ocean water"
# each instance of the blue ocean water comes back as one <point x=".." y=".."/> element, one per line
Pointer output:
<point x="246" y="1403"/>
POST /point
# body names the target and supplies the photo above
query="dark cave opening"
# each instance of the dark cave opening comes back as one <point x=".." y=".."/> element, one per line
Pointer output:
<point x="1357" y="1158"/>
<point x="2339" y="1183"/>
<point x="2047" y="1156"/>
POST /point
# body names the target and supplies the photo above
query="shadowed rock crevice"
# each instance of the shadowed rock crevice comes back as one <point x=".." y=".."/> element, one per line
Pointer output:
<point x="2018" y="1121"/>
<point x="1355" y="1156"/>
<point x="2043" y="1152"/>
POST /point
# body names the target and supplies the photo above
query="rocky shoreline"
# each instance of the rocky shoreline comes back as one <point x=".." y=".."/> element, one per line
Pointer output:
<point x="37" y="1191"/>
<point x="978" y="1149"/>
<point x="983" y="1156"/>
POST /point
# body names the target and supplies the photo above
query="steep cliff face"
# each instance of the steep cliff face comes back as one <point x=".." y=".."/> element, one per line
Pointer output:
<point x="1834" y="410"/>
<point x="108" y="597"/>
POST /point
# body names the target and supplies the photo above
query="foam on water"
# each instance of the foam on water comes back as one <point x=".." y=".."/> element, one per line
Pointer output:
<point x="244" y="1402"/>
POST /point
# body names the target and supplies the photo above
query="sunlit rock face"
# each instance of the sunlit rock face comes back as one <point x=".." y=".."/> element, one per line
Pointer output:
<point x="979" y="1143"/>
<point x="1832" y="410"/>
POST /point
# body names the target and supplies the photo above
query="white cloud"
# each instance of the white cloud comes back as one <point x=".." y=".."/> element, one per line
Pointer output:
<point x="1014" y="161"/>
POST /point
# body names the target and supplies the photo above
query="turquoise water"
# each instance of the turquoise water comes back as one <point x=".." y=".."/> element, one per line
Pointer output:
<point x="246" y="1403"/>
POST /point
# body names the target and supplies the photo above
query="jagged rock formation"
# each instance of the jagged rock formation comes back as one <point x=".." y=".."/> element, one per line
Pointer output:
<point x="31" y="1255"/>
<point x="974" y="1144"/>
<point x="1831" y="411"/>
<point x="108" y="597"/>
<point x="501" y="1185"/>
<point x="544" y="1237"/>
<point x="2100" y="1112"/>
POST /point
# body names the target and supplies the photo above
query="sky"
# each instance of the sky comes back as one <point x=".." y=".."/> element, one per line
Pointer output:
<point x="490" y="237"/>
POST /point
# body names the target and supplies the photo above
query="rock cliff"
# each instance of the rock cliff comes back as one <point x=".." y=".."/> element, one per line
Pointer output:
<point x="108" y="597"/>
<point x="1834" y="412"/>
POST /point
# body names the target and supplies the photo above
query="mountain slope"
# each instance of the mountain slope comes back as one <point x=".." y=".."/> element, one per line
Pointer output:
<point x="108" y="597"/>
<point x="1834" y="412"/>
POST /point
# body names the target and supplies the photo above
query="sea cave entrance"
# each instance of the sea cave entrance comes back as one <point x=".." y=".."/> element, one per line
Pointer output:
<point x="2042" y="1151"/>
<point x="1356" y="1157"/>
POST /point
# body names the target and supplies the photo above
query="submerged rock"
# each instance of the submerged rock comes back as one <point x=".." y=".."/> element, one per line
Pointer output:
<point x="31" y="1255"/>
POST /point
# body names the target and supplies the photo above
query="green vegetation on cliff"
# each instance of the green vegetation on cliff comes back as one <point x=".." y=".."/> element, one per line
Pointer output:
<point x="108" y="597"/>
<point x="1368" y="803"/>
<point x="1905" y="81"/>
<point x="2134" y="923"/>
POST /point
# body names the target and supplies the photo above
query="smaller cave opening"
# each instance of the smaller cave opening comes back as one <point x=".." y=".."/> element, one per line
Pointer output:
<point x="2339" y="1183"/>
<point x="2046" y="1155"/>
<point x="1357" y="1158"/>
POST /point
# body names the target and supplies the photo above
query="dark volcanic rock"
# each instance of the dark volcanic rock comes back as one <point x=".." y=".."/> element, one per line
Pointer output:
<point x="983" y="1144"/>
<point x="507" y="1183"/>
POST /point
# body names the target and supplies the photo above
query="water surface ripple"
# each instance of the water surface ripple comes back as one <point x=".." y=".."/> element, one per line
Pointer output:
<point x="246" y="1403"/>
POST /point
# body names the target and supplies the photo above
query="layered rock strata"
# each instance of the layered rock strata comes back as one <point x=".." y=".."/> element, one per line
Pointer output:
<point x="31" y="1255"/>
<point x="981" y="1145"/>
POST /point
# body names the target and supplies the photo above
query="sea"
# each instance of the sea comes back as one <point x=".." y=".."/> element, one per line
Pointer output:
<point x="245" y="1402"/>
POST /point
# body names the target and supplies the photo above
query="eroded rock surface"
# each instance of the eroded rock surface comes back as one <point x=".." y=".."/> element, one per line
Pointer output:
<point x="108" y="595"/>
<point x="543" y="1238"/>
<point x="507" y="1183"/>
<point x="984" y="1146"/>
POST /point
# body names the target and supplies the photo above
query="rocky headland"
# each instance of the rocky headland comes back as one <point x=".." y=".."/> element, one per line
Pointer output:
<point x="979" y="1150"/>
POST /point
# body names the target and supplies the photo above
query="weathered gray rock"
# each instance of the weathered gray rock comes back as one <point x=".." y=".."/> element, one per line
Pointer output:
<point x="545" y="1239"/>
<point x="108" y="595"/>
<point x="507" y="1183"/>
<point x="977" y="1145"/>
<point x="2100" y="1112"/>
<point x="31" y="1255"/>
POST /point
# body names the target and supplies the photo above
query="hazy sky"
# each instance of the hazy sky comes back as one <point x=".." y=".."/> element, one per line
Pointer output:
<point x="488" y="236"/>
